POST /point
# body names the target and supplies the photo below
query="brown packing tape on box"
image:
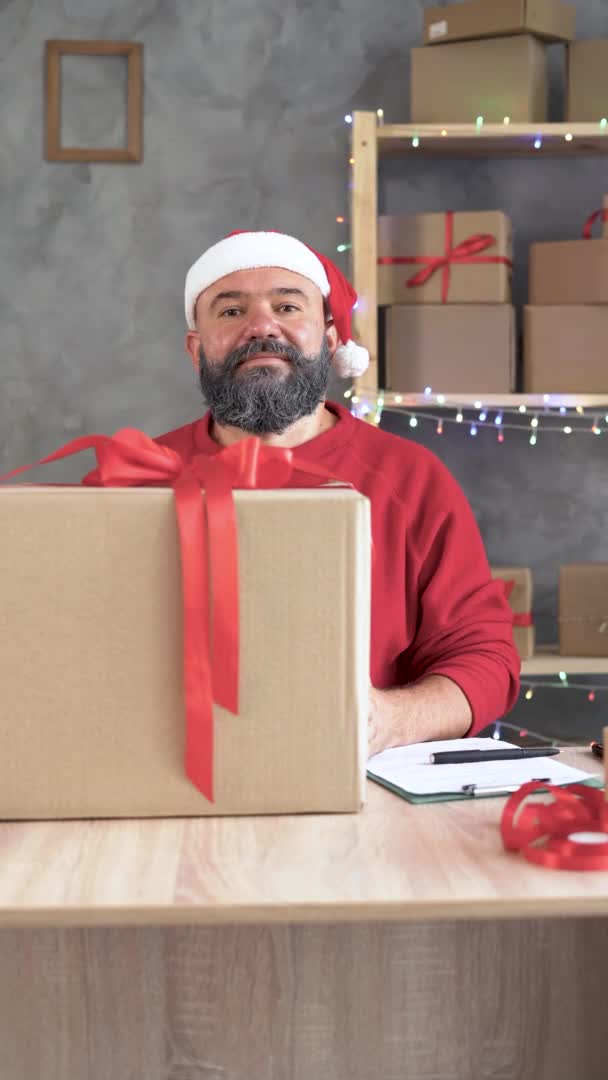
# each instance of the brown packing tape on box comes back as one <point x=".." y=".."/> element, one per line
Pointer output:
<point x="494" y="78"/>
<point x="520" y="600"/>
<point x="583" y="609"/>
<point x="587" y="81"/>
<point x="548" y="19"/>
<point x="565" y="349"/>
<point x="455" y="348"/>
<point x="424" y="236"/>
<point x="569" y="272"/>
<point x="92" y="717"/>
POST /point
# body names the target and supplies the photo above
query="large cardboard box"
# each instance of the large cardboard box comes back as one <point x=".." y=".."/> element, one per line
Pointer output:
<point x="424" y="235"/>
<point x="494" y="78"/>
<point x="583" y="609"/>
<point x="92" y="712"/>
<point x="519" y="592"/>
<point x="569" y="272"/>
<point x="566" y="349"/>
<point x="587" y="85"/>
<point x="547" y="19"/>
<point x="464" y="348"/>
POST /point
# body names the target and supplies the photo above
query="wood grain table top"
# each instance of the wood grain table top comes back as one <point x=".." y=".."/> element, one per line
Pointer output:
<point x="392" y="861"/>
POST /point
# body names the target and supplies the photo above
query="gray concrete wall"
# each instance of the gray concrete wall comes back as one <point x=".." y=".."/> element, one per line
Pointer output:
<point x="243" y="127"/>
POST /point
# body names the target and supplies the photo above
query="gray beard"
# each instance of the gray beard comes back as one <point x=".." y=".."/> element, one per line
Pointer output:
<point x="264" y="400"/>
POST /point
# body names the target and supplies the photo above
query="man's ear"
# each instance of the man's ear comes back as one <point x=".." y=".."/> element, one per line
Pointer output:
<point x="332" y="336"/>
<point x="193" y="348"/>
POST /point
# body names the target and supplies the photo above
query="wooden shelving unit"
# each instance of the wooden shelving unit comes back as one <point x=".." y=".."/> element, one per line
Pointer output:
<point x="372" y="140"/>
<point x="547" y="661"/>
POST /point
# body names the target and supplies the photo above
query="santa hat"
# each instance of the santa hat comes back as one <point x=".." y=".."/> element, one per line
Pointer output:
<point x="251" y="250"/>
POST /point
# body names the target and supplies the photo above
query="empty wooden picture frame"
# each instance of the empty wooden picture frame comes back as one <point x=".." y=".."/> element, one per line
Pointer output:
<point x="54" y="150"/>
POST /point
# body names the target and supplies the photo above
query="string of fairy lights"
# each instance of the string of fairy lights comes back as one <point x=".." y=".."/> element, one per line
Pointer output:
<point x="530" y="420"/>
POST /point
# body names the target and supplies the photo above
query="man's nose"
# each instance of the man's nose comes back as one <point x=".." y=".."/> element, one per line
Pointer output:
<point x="262" y="323"/>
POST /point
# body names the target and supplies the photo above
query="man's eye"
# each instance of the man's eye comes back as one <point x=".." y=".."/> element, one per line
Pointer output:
<point x="231" y="311"/>
<point x="289" y="307"/>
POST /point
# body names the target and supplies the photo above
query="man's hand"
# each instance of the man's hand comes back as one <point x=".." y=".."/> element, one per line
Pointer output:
<point x="433" y="708"/>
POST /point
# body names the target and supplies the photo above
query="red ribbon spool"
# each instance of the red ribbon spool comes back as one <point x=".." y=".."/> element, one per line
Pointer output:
<point x="565" y="834"/>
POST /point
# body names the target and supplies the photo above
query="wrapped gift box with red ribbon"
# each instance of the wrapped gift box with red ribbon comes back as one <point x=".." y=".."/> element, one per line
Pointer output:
<point x="571" y="271"/>
<point x="446" y="258"/>
<point x="183" y="639"/>
<point x="583" y="609"/>
<point x="519" y="593"/>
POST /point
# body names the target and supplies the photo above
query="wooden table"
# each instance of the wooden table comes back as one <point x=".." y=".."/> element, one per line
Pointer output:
<point x="401" y="943"/>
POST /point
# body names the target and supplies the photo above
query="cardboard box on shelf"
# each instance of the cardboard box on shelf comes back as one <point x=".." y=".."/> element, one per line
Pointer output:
<point x="587" y="81"/>
<point x="569" y="272"/>
<point x="494" y="78"/>
<point x="404" y="238"/>
<point x="583" y="609"/>
<point x="547" y="19"/>
<point x="92" y="720"/>
<point x="565" y="349"/>
<point x="455" y="348"/>
<point x="519" y="592"/>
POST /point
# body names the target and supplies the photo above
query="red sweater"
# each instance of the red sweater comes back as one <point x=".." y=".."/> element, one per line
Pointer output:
<point x="435" y="608"/>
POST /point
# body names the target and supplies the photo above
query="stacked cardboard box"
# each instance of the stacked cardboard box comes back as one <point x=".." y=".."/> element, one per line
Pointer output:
<point x="583" y="609"/>
<point x="587" y="93"/>
<point x="566" y="321"/>
<point x="492" y="60"/>
<point x="445" y="280"/>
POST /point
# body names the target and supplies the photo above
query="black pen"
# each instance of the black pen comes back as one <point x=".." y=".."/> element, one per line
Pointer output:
<point x="468" y="757"/>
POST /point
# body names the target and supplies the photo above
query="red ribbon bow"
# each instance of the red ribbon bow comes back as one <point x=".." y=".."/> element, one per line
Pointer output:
<point x="467" y="251"/>
<point x="208" y="536"/>
<point x="545" y="833"/>
<point x="597" y="215"/>
<point x="520" y="618"/>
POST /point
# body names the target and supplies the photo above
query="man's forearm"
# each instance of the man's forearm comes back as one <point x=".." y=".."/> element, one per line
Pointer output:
<point x="433" y="708"/>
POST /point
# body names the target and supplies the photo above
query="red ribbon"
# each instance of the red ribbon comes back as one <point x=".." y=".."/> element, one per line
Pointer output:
<point x="542" y="832"/>
<point x="520" y="618"/>
<point x="597" y="215"/>
<point x="464" y="253"/>
<point x="208" y="535"/>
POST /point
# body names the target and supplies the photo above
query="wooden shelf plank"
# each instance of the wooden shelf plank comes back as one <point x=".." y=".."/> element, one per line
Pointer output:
<point x="493" y="139"/>
<point x="547" y="661"/>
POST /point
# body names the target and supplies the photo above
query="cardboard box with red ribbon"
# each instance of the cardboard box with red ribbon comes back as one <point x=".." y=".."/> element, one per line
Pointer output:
<point x="183" y="639"/>
<point x="571" y="271"/>
<point x="583" y="609"/>
<point x="519" y="592"/>
<point x="445" y="258"/>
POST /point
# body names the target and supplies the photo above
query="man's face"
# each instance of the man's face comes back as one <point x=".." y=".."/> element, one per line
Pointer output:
<point x="262" y="348"/>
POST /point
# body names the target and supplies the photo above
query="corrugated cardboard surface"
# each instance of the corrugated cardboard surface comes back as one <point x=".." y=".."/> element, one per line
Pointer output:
<point x="494" y="78"/>
<point x="583" y="609"/>
<point x="587" y="87"/>
<point x="569" y="272"/>
<point x="566" y="349"/>
<point x="520" y="601"/>
<point x="455" y="348"/>
<point x="548" y="19"/>
<point x="91" y="715"/>
<point x="424" y="234"/>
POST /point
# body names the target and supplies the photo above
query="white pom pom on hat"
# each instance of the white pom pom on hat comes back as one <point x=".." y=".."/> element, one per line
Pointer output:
<point x="252" y="250"/>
